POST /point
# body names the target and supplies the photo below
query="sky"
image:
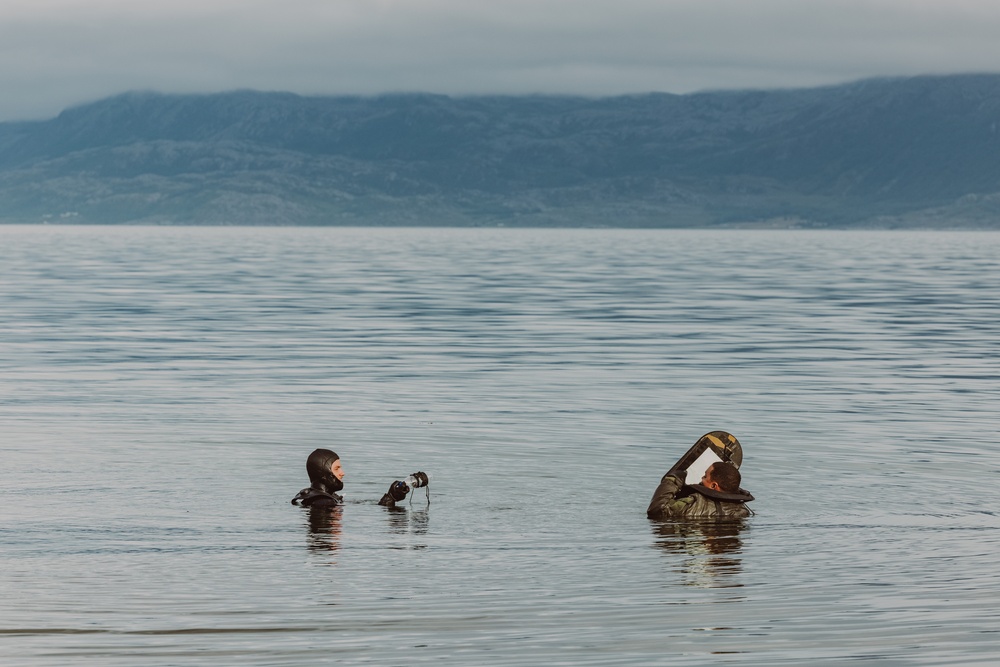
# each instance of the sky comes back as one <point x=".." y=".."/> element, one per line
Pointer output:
<point x="60" y="53"/>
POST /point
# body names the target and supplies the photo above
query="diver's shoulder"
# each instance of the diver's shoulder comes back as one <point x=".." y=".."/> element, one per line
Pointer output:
<point x="313" y="497"/>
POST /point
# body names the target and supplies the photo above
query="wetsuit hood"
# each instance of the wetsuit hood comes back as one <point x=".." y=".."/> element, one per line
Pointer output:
<point x="318" y="466"/>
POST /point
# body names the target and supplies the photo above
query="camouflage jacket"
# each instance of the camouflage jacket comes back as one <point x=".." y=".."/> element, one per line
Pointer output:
<point x="673" y="498"/>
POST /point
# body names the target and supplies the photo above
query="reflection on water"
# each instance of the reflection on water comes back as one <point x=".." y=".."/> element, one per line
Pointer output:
<point x="712" y="548"/>
<point x="407" y="521"/>
<point x="325" y="532"/>
<point x="325" y="528"/>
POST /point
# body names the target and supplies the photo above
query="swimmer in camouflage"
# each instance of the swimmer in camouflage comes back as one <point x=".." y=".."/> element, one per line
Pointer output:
<point x="717" y="495"/>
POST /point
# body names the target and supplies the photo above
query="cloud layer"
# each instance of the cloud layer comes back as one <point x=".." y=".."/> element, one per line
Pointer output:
<point x="56" y="53"/>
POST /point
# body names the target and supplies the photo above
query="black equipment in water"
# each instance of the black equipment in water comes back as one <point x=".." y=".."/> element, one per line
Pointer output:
<point x="399" y="488"/>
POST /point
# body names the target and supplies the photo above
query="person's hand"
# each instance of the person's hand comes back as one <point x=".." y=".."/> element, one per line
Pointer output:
<point x="397" y="490"/>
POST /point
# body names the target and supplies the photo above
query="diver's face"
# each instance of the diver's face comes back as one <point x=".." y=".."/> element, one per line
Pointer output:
<point x="337" y="470"/>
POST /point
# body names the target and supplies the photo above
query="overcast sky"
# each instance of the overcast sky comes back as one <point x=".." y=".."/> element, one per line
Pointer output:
<point x="58" y="53"/>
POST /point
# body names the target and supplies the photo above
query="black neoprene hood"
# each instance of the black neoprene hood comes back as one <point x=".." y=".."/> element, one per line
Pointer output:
<point x="318" y="466"/>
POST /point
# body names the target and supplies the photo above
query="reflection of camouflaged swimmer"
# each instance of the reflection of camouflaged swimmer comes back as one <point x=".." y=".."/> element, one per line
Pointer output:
<point x="717" y="495"/>
<point x="710" y="550"/>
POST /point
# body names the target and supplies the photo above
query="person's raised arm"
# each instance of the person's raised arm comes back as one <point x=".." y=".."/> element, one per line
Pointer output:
<point x="665" y="496"/>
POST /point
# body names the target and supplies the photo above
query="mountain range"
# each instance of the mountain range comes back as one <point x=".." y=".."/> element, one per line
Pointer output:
<point x="910" y="152"/>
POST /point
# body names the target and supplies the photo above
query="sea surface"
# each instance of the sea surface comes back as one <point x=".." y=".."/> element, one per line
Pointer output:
<point x="160" y="389"/>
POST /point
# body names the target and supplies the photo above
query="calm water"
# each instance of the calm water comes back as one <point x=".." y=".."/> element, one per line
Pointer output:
<point x="161" y="388"/>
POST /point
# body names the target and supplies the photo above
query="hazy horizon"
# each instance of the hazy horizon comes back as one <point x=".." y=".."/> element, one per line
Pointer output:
<point x="56" y="54"/>
<point x="390" y="93"/>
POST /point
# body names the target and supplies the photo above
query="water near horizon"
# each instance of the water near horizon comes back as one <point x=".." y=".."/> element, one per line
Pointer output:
<point x="160" y="389"/>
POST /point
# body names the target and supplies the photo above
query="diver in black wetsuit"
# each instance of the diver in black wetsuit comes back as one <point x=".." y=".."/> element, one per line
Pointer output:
<point x="326" y="475"/>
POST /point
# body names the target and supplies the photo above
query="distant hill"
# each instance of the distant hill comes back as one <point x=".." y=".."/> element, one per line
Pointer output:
<point x="921" y="151"/>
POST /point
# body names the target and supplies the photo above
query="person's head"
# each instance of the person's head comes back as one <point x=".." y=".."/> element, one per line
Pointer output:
<point x="324" y="467"/>
<point x="723" y="477"/>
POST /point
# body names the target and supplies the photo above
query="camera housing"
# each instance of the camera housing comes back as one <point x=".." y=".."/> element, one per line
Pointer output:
<point x="417" y="480"/>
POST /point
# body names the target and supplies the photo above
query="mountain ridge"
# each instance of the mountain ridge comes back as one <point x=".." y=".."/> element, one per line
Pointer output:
<point x="919" y="151"/>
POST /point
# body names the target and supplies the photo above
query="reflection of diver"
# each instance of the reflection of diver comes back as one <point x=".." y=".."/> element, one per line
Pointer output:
<point x="324" y="528"/>
<point x="712" y="547"/>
